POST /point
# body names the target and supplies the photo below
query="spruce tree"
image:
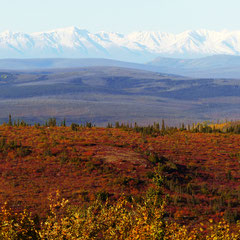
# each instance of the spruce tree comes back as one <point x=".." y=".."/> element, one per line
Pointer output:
<point x="10" y="120"/>
<point x="163" y="126"/>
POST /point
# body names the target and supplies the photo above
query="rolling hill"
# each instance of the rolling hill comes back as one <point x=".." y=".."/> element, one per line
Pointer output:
<point x="217" y="66"/>
<point x="109" y="94"/>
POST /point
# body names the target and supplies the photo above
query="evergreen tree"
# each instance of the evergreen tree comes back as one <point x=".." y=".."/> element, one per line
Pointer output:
<point x="10" y="120"/>
<point x="163" y="125"/>
<point x="117" y="125"/>
<point x="63" y="123"/>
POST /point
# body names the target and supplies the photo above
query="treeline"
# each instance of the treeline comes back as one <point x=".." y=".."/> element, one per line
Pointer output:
<point x="151" y="129"/>
<point x="51" y="122"/>
<point x="162" y="129"/>
<point x="154" y="129"/>
<point x="233" y="129"/>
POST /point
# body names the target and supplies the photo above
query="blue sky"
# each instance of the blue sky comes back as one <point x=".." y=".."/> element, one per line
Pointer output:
<point x="120" y="15"/>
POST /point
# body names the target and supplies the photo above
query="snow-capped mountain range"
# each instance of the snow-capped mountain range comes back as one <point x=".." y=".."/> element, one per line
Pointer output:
<point x="139" y="47"/>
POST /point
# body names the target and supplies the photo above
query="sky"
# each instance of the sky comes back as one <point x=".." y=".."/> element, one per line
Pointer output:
<point x="122" y="16"/>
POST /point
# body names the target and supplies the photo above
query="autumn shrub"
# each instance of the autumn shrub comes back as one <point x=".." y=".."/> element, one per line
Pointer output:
<point x="15" y="226"/>
<point x="23" y="151"/>
<point x="150" y="175"/>
<point x="74" y="126"/>
<point x="102" y="195"/>
<point x="123" y="219"/>
<point x="3" y="144"/>
<point x="63" y="157"/>
<point x="154" y="158"/>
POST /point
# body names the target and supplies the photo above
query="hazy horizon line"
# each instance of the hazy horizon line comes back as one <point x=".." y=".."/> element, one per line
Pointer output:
<point x="124" y="33"/>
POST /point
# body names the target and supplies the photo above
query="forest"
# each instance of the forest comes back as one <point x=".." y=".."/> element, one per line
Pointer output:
<point x="122" y="181"/>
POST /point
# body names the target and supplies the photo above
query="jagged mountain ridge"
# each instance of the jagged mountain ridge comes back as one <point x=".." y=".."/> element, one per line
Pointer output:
<point x="137" y="46"/>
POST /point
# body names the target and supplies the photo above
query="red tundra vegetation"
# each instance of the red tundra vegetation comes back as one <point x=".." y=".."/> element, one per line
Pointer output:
<point x="196" y="174"/>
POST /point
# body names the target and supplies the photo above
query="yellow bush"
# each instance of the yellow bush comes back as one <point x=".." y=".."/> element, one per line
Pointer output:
<point x="118" y="221"/>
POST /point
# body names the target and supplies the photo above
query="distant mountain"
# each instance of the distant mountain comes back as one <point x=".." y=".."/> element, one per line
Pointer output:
<point x="216" y="61"/>
<point x="70" y="63"/>
<point x="57" y="63"/>
<point x="138" y="47"/>
<point x="217" y="66"/>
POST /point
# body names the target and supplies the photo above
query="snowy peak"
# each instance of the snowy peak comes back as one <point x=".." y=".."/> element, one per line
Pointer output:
<point x="139" y="46"/>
